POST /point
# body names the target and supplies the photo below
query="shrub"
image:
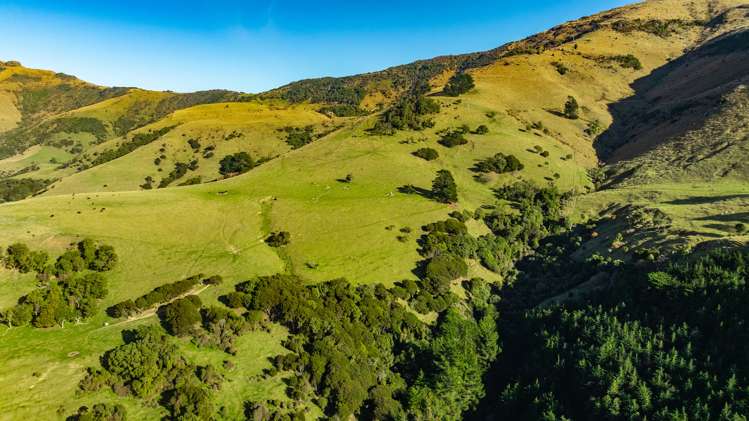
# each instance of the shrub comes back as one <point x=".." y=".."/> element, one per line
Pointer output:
<point x="138" y="140"/>
<point x="298" y="137"/>
<point x="237" y="163"/>
<point x="179" y="171"/>
<point x="427" y="154"/>
<point x="100" y="412"/>
<point x="444" y="188"/>
<point x="452" y="139"/>
<point x="561" y="68"/>
<point x="62" y="301"/>
<point x="278" y="239"/>
<point x="500" y="163"/>
<point x="213" y="280"/>
<point x="343" y="110"/>
<point x="481" y="130"/>
<point x="628" y="61"/>
<point x="458" y="84"/>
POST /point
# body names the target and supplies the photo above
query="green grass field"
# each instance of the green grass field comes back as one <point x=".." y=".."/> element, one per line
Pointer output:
<point x="338" y="229"/>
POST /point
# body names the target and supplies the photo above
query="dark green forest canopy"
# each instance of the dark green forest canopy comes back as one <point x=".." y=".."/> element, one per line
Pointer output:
<point x="667" y="343"/>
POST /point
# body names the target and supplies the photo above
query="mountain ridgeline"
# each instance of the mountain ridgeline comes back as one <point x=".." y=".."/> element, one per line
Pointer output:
<point x="552" y="229"/>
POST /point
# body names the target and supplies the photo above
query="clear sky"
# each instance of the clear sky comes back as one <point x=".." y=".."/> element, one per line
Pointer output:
<point x="255" y="45"/>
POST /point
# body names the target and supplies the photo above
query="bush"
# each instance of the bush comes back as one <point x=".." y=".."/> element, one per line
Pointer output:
<point x="278" y="239"/>
<point x="499" y="163"/>
<point x="298" y="137"/>
<point x="481" y="130"/>
<point x="628" y="61"/>
<point x="213" y="280"/>
<point x="138" y="140"/>
<point x="343" y="110"/>
<point x="561" y="68"/>
<point x="458" y="84"/>
<point x="237" y="163"/>
<point x="427" y="154"/>
<point x="452" y="139"/>
<point x="444" y="188"/>
<point x="179" y="171"/>
<point x="100" y="412"/>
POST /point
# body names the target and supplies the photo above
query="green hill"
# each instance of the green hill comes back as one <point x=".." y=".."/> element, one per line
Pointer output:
<point x="142" y="171"/>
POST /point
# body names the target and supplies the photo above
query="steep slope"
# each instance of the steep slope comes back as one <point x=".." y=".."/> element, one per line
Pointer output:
<point x="688" y="120"/>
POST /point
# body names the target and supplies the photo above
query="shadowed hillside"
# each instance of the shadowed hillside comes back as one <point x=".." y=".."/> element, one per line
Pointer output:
<point x="680" y="98"/>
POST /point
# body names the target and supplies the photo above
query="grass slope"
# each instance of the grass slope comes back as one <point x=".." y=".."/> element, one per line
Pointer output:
<point x="337" y="229"/>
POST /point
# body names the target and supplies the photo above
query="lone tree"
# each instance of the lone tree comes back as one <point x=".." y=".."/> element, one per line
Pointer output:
<point x="459" y="84"/>
<point x="571" y="108"/>
<point x="444" y="188"/>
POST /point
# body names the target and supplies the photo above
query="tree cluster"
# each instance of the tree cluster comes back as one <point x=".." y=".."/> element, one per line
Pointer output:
<point x="410" y="112"/>
<point x="237" y="163"/>
<point x="149" y="366"/>
<point x="453" y="138"/>
<point x="500" y="164"/>
<point x="12" y="189"/>
<point x="296" y="137"/>
<point x="158" y="295"/>
<point x="69" y="300"/>
<point x="458" y="84"/>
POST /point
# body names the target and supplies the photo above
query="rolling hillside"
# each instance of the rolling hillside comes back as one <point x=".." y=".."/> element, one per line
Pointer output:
<point x="662" y="95"/>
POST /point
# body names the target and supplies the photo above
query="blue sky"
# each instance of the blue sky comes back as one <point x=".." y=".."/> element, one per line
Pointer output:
<point x="255" y="45"/>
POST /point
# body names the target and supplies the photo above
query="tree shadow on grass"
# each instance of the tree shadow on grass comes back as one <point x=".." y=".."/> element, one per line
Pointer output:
<point x="731" y="217"/>
<point x="705" y="200"/>
<point x="419" y="191"/>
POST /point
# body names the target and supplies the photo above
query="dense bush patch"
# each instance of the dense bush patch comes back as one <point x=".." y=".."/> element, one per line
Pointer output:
<point x="500" y="164"/>
<point x="409" y="113"/>
<point x="158" y="295"/>
<point x="138" y="140"/>
<point x="458" y="84"/>
<point x="12" y="189"/>
<point x="237" y="163"/>
<point x="427" y="154"/>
